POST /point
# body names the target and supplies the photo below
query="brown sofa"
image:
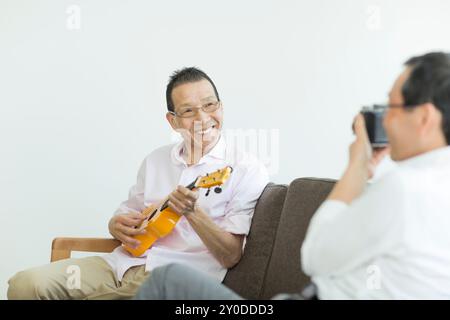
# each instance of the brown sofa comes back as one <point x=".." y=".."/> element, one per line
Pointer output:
<point x="271" y="261"/>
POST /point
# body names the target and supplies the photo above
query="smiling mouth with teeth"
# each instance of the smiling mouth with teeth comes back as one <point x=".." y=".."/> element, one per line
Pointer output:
<point x="207" y="130"/>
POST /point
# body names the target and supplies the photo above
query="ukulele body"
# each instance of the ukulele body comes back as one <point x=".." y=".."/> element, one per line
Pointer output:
<point x="158" y="227"/>
<point x="161" y="219"/>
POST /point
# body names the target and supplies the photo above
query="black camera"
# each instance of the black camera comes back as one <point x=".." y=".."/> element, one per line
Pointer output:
<point x="373" y="117"/>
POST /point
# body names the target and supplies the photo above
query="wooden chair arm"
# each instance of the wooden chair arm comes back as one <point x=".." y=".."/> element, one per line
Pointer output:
<point x="63" y="247"/>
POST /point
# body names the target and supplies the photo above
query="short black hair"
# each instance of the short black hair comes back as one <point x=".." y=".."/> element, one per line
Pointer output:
<point x="182" y="76"/>
<point x="429" y="81"/>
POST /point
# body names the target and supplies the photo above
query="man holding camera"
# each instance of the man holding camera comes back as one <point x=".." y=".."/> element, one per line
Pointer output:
<point x="388" y="240"/>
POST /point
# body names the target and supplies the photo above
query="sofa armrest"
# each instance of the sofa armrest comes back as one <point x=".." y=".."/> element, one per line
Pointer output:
<point x="63" y="247"/>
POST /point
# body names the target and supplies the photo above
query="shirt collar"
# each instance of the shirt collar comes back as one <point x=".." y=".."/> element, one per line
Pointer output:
<point x="430" y="158"/>
<point x="217" y="152"/>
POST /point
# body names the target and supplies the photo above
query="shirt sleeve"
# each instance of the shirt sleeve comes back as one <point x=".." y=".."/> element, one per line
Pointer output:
<point x="247" y="189"/>
<point x="341" y="237"/>
<point x="135" y="201"/>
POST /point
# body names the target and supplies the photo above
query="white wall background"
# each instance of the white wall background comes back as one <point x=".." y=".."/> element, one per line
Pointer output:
<point x="80" y="109"/>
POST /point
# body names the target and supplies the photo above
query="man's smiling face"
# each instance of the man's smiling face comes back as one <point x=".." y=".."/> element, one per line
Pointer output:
<point x="196" y="125"/>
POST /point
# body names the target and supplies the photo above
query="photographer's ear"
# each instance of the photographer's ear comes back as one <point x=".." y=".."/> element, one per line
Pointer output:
<point x="430" y="118"/>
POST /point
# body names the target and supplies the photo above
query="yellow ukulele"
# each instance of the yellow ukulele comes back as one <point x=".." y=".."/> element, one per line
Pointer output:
<point x="161" y="219"/>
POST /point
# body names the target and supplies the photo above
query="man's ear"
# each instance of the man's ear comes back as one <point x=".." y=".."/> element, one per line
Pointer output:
<point x="430" y="118"/>
<point x="172" y="120"/>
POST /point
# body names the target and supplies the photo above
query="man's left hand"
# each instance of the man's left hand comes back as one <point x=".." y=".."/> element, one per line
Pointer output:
<point x="183" y="201"/>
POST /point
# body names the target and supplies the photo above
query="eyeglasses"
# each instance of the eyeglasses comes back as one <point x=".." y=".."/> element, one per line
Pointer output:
<point x="397" y="105"/>
<point x="190" y="112"/>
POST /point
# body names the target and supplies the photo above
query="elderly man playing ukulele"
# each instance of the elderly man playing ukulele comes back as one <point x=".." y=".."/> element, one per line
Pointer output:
<point x="210" y="233"/>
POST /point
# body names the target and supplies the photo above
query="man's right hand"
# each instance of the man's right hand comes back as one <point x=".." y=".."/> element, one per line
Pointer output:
<point x="362" y="155"/>
<point x="124" y="226"/>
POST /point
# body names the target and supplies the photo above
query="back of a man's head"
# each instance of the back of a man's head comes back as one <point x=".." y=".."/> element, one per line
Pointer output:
<point x="429" y="82"/>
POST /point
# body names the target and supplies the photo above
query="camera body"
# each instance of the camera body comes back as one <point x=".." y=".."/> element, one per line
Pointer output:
<point x="373" y="116"/>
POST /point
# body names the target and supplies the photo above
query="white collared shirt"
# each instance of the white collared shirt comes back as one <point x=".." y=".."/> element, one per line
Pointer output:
<point x="393" y="242"/>
<point x="232" y="209"/>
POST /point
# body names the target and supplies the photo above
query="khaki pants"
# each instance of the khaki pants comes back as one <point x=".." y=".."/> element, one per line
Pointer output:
<point x="85" y="278"/>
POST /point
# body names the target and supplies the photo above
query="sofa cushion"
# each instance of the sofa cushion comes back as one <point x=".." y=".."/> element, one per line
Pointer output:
<point x="303" y="198"/>
<point x="247" y="277"/>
